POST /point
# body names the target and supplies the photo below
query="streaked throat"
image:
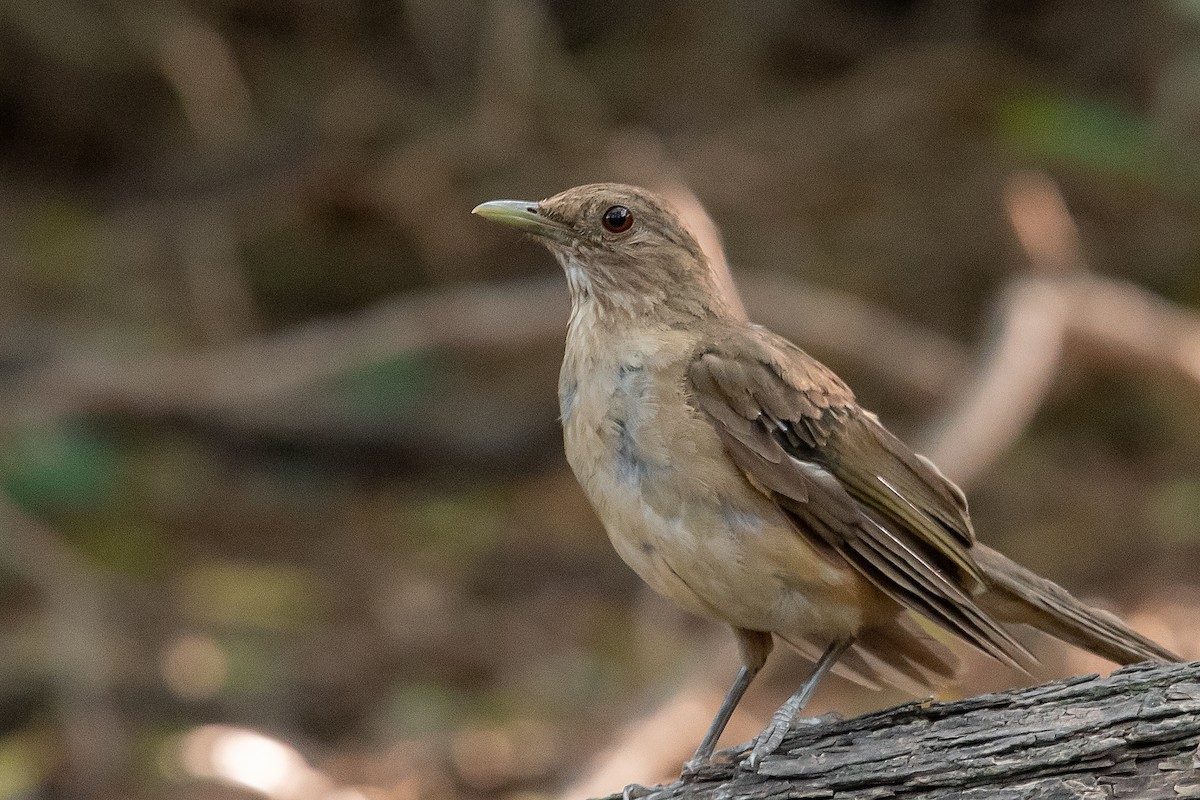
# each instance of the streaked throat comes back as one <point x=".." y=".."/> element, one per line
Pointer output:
<point x="578" y="282"/>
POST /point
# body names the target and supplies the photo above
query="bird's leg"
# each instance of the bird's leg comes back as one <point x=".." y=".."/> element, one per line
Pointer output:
<point x="754" y="647"/>
<point x="732" y="698"/>
<point x="783" y="719"/>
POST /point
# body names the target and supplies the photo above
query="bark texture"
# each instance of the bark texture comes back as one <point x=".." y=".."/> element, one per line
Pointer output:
<point x="1134" y="734"/>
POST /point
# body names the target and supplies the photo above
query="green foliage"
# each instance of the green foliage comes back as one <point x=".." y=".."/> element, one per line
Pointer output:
<point x="1088" y="134"/>
<point x="1174" y="511"/>
<point x="450" y="530"/>
<point x="256" y="666"/>
<point x="233" y="595"/>
<point x="122" y="543"/>
<point x="421" y="707"/>
<point x="63" y="469"/>
<point x="24" y="764"/>
<point x="394" y="386"/>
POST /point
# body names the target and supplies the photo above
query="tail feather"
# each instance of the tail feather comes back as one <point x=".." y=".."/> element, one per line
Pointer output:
<point x="901" y="654"/>
<point x="848" y="666"/>
<point x="898" y="654"/>
<point x="1018" y="595"/>
<point x="906" y="656"/>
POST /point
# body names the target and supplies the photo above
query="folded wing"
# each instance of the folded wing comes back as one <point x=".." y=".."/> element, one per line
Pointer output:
<point x="795" y="431"/>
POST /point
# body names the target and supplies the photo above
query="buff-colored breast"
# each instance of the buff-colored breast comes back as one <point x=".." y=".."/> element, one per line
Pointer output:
<point x="675" y="507"/>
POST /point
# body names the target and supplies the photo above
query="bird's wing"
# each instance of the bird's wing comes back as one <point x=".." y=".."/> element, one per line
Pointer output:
<point x="794" y="430"/>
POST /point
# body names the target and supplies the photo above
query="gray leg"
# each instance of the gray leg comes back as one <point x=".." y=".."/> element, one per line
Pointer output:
<point x="732" y="698"/>
<point x="781" y="722"/>
<point x="754" y="647"/>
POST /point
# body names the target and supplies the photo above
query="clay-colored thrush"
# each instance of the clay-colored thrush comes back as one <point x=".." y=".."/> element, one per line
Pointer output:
<point x="738" y="476"/>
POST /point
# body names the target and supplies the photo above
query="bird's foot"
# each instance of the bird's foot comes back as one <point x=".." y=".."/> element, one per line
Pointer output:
<point x="636" y="791"/>
<point x="767" y="742"/>
<point x="771" y="737"/>
<point x="693" y="767"/>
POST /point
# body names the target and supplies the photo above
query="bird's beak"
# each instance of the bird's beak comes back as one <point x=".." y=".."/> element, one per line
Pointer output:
<point x="523" y="215"/>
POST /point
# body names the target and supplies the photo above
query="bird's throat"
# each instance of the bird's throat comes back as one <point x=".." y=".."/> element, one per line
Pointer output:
<point x="578" y="282"/>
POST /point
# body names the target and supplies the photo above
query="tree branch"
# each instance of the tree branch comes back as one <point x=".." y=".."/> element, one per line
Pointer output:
<point x="1133" y="734"/>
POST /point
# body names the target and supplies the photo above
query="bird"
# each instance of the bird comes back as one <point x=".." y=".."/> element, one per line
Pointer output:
<point x="739" y="477"/>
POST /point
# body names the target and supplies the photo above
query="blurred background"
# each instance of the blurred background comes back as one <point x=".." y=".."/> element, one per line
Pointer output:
<point x="285" y="511"/>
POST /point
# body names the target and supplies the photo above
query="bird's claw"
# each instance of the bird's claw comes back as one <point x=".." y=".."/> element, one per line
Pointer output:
<point x="767" y="742"/>
<point x="693" y="767"/>
<point x="636" y="791"/>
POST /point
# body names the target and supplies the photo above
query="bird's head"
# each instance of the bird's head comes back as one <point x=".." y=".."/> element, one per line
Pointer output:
<point x="620" y="245"/>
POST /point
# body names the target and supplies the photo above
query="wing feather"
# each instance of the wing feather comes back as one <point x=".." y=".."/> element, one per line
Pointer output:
<point x="795" y="431"/>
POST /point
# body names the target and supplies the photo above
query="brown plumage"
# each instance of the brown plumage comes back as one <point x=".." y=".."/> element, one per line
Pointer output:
<point x="738" y="476"/>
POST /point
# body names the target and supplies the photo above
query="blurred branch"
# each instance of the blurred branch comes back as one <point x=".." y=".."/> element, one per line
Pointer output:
<point x="490" y="316"/>
<point x="220" y="304"/>
<point x="1018" y="369"/>
<point x="79" y="644"/>
<point x="1104" y="318"/>
<point x="217" y="379"/>
<point x="1043" y="224"/>
<point x="913" y="359"/>
<point x="203" y="72"/>
<point x="1039" y="312"/>
<point x="1129" y="323"/>
<point x="1011" y="383"/>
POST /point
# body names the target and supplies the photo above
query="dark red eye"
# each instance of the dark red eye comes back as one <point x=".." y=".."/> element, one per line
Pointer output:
<point x="617" y="219"/>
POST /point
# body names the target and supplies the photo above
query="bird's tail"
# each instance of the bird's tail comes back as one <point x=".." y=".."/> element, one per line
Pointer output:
<point x="1018" y="595"/>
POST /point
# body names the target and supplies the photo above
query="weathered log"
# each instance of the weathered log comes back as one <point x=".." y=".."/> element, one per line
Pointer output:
<point x="1134" y="734"/>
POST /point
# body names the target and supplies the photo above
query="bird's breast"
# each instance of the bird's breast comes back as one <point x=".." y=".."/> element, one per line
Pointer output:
<point x="675" y="507"/>
<point x="626" y="424"/>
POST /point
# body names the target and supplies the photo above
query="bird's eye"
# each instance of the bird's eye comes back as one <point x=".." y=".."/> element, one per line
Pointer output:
<point x="617" y="219"/>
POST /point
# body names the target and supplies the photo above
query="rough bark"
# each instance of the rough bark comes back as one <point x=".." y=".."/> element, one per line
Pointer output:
<point x="1134" y="734"/>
